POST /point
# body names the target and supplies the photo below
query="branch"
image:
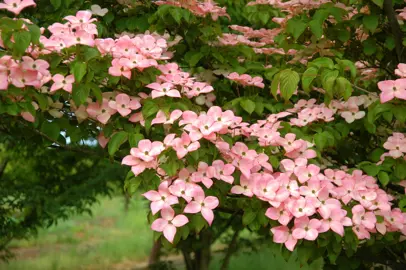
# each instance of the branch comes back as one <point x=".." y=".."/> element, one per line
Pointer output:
<point x="231" y="249"/>
<point x="396" y="31"/>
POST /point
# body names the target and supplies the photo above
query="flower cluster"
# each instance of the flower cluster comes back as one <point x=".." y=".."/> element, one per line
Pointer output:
<point x="79" y="29"/>
<point x="199" y="8"/>
<point x="27" y="72"/>
<point x="246" y="79"/>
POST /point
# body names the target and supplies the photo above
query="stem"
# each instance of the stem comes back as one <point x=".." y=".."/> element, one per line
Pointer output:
<point x="396" y="31"/>
<point x="231" y="249"/>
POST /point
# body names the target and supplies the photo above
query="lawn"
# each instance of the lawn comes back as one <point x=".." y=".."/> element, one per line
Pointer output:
<point x="111" y="239"/>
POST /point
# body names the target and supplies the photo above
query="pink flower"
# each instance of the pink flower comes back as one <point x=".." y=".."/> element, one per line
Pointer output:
<point x="124" y="104"/>
<point x="309" y="173"/>
<point x="61" y="82"/>
<point x="82" y="17"/>
<point x="161" y="117"/>
<point x="302" y="207"/>
<point x="282" y="215"/>
<point x="396" y="145"/>
<point x="181" y="188"/>
<point x="306" y="229"/>
<point x="165" y="89"/>
<point x="37" y="65"/>
<point x="282" y="235"/>
<point x="221" y="171"/>
<point x="351" y="116"/>
<point x="203" y="204"/>
<point x="401" y="70"/>
<point x="391" y="89"/>
<point x="16" y="6"/>
<point x="244" y="188"/>
<point x="184" y="145"/>
<point x="336" y="222"/>
<point x="147" y="150"/>
<point x="119" y="67"/>
<point x="21" y="78"/>
<point x="161" y="198"/>
<point x="202" y="175"/>
<point x="360" y="217"/>
<point x="168" y="223"/>
<point x="101" y="112"/>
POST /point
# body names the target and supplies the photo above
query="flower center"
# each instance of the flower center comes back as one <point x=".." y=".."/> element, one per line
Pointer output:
<point x="300" y="209"/>
<point x="146" y="153"/>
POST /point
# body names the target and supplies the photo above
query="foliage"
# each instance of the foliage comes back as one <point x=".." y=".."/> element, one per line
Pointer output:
<point x="306" y="138"/>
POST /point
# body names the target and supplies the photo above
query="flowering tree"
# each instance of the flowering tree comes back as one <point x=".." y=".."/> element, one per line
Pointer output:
<point x="284" y="118"/>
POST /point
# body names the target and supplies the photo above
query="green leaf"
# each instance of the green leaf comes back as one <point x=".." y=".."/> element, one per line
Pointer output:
<point x="316" y="26"/>
<point x="370" y="22"/>
<point x="348" y="65"/>
<point x="328" y="79"/>
<point x="343" y="87"/>
<point x="289" y="81"/>
<point x="96" y="91"/>
<point x="371" y="169"/>
<point x="264" y="16"/>
<point x="296" y="27"/>
<point x="51" y="129"/>
<point x="79" y="70"/>
<point x="322" y="62"/>
<point x="369" y="46"/>
<point x="275" y="84"/>
<point x="307" y="78"/>
<point x="56" y="3"/>
<point x="149" y="108"/>
<point x="193" y="58"/>
<point x="116" y="141"/>
<point x="248" y="217"/>
<point x="134" y="138"/>
<point x="42" y="100"/>
<point x="176" y="14"/>
<point x="80" y="92"/>
<point x="379" y="3"/>
<point x="400" y="113"/>
<point x="400" y="170"/>
<point x="170" y="167"/>
<point x="22" y="41"/>
<point x="90" y="53"/>
<point x="35" y="32"/>
<point x="383" y="178"/>
<point x="375" y="155"/>
<point x="320" y="140"/>
<point x="248" y="105"/>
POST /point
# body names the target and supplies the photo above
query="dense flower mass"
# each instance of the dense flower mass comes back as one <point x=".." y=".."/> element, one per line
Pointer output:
<point x="276" y="159"/>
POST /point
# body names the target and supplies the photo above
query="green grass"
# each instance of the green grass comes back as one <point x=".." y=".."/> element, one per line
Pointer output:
<point x="86" y="242"/>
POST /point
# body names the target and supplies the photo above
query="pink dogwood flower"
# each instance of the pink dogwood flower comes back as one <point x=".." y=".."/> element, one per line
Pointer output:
<point x="306" y="228"/>
<point x="203" y="204"/>
<point x="168" y="223"/>
<point x="15" y="6"/>
<point x="361" y="217"/>
<point x="391" y="89"/>
<point x="147" y="150"/>
<point x="161" y="198"/>
<point x="165" y="89"/>
<point x="282" y="235"/>
<point x="124" y="104"/>
<point x="221" y="171"/>
<point x="184" y="145"/>
<point x="61" y="82"/>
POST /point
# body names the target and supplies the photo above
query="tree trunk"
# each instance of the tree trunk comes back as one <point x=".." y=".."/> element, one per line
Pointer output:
<point x="203" y="255"/>
<point x="155" y="254"/>
<point x="231" y="249"/>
